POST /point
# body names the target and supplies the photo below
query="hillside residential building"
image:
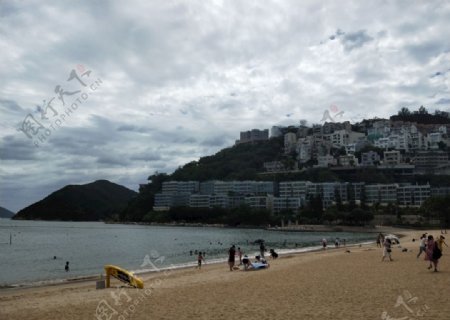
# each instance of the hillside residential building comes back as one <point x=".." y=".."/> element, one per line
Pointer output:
<point x="381" y="193"/>
<point x="180" y="187"/>
<point x="413" y="195"/>
<point x="430" y="159"/>
<point x="348" y="160"/>
<point x="253" y="135"/>
<point x="392" y="158"/>
<point x="326" y="161"/>
<point x="370" y="158"/>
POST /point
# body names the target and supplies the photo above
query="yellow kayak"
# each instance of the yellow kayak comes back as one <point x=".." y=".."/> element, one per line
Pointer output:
<point x="123" y="275"/>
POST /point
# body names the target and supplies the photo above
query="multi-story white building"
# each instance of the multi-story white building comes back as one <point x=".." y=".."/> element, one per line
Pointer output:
<point x="326" y="161"/>
<point x="257" y="202"/>
<point x="293" y="189"/>
<point x="392" y="158"/>
<point x="413" y="195"/>
<point x="216" y="187"/>
<point x="348" y="160"/>
<point x="370" y="158"/>
<point x="180" y="187"/>
<point x="253" y="135"/>
<point x="290" y="142"/>
<point x="200" y="201"/>
<point x="381" y="193"/>
<point x="294" y="204"/>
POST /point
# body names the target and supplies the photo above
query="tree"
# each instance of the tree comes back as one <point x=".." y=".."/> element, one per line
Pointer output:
<point x="423" y="110"/>
<point x="438" y="207"/>
<point x="404" y="112"/>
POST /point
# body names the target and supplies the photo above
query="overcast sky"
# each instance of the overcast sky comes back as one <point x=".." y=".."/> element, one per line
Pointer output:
<point x="161" y="83"/>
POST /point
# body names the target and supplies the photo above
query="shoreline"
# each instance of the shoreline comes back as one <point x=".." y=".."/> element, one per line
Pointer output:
<point x="173" y="267"/>
<point x="339" y="284"/>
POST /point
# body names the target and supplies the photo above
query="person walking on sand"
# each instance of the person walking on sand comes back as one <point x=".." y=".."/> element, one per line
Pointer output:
<point x="231" y="254"/>
<point x="433" y="253"/>
<point x="387" y="249"/>
<point x="199" y="260"/>
<point x="440" y="242"/>
<point x="422" y="245"/>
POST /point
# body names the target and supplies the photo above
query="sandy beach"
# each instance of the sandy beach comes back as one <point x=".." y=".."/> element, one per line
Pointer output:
<point x="331" y="284"/>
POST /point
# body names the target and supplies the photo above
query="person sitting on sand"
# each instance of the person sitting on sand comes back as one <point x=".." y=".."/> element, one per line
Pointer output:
<point x="273" y="254"/>
<point x="246" y="262"/>
<point x="387" y="249"/>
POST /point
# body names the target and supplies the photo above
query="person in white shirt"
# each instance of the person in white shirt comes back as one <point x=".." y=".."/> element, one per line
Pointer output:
<point x="422" y="245"/>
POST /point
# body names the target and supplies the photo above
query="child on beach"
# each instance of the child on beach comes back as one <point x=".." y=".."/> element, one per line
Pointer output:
<point x="239" y="252"/>
<point x="387" y="249"/>
<point x="199" y="260"/>
<point x="324" y="243"/>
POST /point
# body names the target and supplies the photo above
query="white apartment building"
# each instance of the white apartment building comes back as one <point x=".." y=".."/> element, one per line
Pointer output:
<point x="293" y="189"/>
<point x="279" y="204"/>
<point x="348" y="160"/>
<point x="326" y="161"/>
<point x="290" y="142"/>
<point x="392" y="158"/>
<point x="180" y="187"/>
<point x="413" y="195"/>
<point x="433" y="140"/>
<point x="370" y="158"/>
<point x="381" y="193"/>
<point x="200" y="201"/>
<point x="257" y="202"/>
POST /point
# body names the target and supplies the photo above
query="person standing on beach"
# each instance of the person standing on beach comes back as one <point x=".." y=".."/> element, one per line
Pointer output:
<point x="199" y="260"/>
<point x="380" y="240"/>
<point x="324" y="243"/>
<point x="387" y="249"/>
<point x="422" y="245"/>
<point x="262" y="249"/>
<point x="231" y="254"/>
<point x="239" y="252"/>
<point x="67" y="266"/>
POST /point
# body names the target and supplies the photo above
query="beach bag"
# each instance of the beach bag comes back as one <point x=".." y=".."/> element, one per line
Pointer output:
<point x="437" y="254"/>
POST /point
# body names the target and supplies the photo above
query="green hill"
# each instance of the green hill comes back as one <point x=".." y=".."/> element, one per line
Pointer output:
<point x="94" y="201"/>
<point x="5" y="213"/>
<point x="240" y="162"/>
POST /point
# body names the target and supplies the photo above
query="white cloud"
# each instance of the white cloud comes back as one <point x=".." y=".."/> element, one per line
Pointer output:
<point x="182" y="78"/>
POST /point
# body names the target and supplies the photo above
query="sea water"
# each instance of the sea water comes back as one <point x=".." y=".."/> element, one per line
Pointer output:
<point x="39" y="249"/>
